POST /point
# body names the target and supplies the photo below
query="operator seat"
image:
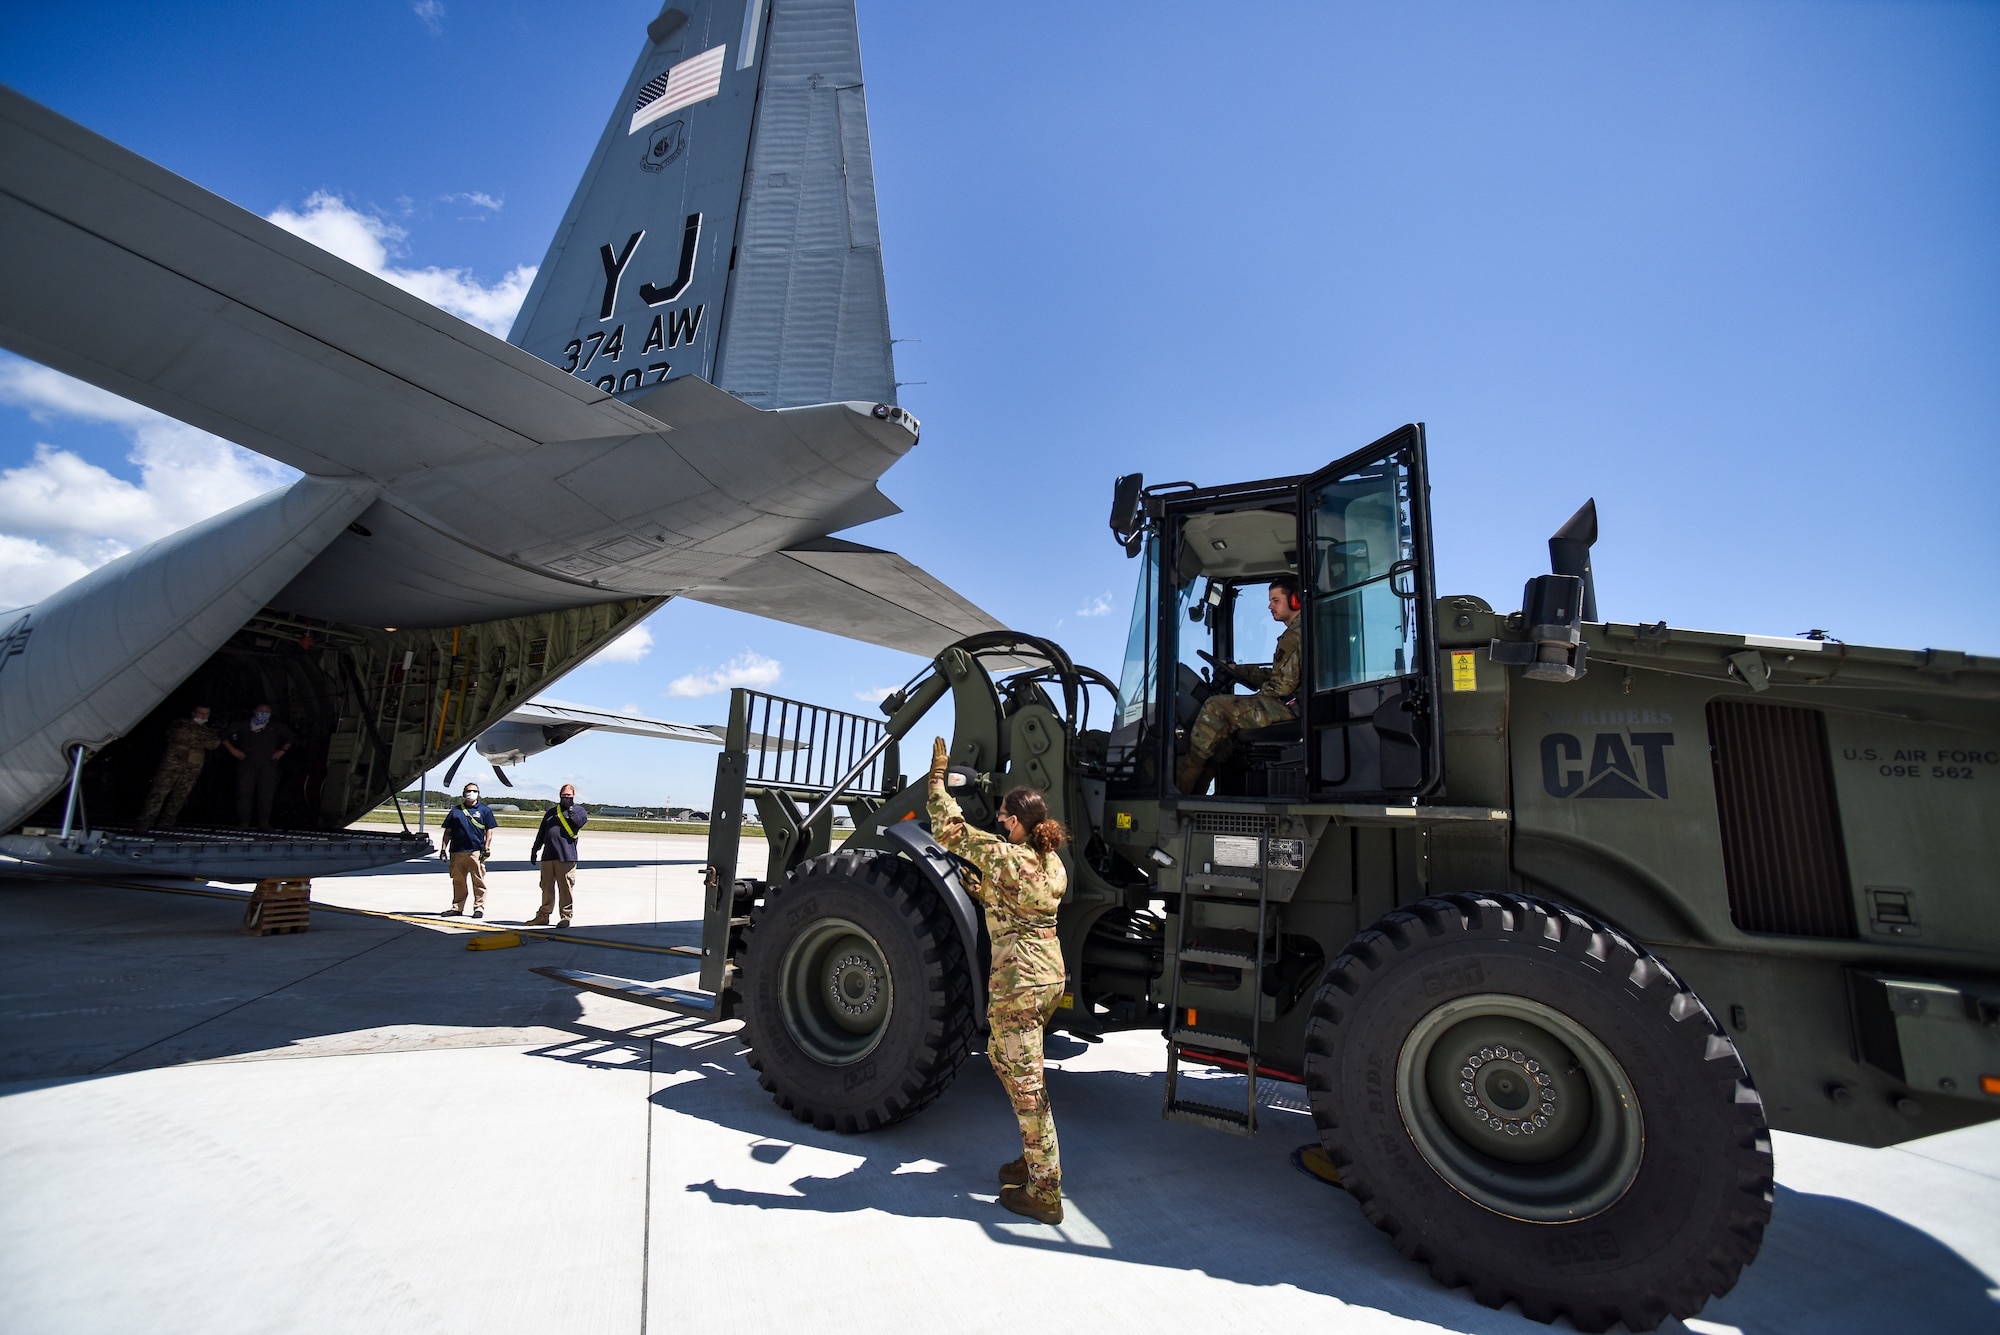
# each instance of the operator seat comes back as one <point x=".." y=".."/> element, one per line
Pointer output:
<point x="1267" y="762"/>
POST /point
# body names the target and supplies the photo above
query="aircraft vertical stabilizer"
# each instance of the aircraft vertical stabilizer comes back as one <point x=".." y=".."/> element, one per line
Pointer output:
<point x="726" y="226"/>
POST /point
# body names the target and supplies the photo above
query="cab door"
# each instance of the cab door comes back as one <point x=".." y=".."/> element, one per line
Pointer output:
<point x="1371" y="707"/>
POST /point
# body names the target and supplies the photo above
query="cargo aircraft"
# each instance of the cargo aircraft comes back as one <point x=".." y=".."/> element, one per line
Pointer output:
<point x="697" y="394"/>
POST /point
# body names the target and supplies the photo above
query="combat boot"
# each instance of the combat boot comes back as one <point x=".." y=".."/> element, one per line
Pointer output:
<point x="1191" y="777"/>
<point x="539" y="920"/>
<point x="1020" y="1202"/>
<point x="1014" y="1174"/>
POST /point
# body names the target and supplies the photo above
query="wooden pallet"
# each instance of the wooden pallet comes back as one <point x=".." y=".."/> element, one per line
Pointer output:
<point x="278" y="907"/>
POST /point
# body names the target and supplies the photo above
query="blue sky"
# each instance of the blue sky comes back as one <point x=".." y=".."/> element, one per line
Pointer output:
<point x="1733" y="269"/>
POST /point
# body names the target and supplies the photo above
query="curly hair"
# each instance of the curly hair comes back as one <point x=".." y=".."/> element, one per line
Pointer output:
<point x="1028" y="806"/>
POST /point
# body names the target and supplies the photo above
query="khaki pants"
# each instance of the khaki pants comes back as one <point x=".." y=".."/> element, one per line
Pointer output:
<point x="467" y="867"/>
<point x="557" y="875"/>
<point x="1014" y="1048"/>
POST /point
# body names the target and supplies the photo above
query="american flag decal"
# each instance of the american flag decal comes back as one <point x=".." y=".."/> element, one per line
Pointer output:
<point x="695" y="79"/>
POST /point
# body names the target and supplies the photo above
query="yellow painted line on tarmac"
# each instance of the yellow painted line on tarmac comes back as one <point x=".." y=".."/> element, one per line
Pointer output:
<point x="425" y="920"/>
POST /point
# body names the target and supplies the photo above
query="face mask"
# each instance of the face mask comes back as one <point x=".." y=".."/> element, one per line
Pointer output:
<point x="259" y="719"/>
<point x="472" y="799"/>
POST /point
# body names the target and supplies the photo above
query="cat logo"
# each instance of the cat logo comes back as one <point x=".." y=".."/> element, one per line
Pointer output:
<point x="1611" y="771"/>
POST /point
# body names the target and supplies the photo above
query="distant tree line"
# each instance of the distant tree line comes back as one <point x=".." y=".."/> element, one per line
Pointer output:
<point x="540" y="804"/>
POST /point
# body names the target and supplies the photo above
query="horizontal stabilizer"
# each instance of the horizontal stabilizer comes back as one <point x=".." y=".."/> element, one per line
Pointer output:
<point x="861" y="592"/>
<point x="233" y="325"/>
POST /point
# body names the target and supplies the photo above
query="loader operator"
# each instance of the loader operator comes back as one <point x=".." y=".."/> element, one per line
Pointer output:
<point x="1222" y="716"/>
<point x="1020" y="881"/>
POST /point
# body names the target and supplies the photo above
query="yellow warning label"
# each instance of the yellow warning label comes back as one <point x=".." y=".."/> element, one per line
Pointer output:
<point x="1067" y="1002"/>
<point x="1124" y="820"/>
<point x="1464" y="670"/>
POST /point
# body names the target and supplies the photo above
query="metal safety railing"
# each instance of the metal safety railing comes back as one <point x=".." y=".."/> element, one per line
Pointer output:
<point x="804" y="748"/>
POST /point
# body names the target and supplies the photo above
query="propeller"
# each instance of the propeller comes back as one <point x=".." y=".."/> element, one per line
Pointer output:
<point x="501" y="775"/>
<point x="452" y="773"/>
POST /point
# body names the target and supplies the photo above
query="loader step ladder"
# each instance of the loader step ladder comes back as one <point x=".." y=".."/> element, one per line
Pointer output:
<point x="1183" y="1036"/>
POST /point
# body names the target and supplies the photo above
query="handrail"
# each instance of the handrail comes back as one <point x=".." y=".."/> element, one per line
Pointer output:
<point x="799" y="747"/>
<point x="834" y="793"/>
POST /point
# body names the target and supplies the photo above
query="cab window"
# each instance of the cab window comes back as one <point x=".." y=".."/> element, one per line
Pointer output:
<point x="1364" y="629"/>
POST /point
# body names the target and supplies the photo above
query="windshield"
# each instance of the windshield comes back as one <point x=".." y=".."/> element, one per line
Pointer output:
<point x="1142" y="659"/>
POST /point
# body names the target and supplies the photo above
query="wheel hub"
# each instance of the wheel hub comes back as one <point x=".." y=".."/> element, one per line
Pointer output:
<point x="855" y="983"/>
<point x="837" y="992"/>
<point x="1520" y="1108"/>
<point x="1509" y="1088"/>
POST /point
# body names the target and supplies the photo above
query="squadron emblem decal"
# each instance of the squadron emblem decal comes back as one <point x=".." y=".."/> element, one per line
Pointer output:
<point x="14" y="639"/>
<point x="663" y="145"/>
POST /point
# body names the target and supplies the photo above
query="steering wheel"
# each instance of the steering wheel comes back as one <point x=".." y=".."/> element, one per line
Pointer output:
<point x="1223" y="671"/>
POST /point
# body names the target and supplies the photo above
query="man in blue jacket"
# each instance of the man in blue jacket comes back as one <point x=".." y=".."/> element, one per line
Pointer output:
<point x="468" y="838"/>
<point x="555" y="849"/>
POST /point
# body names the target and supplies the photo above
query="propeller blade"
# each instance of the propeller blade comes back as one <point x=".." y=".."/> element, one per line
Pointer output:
<point x="501" y="775"/>
<point x="452" y="773"/>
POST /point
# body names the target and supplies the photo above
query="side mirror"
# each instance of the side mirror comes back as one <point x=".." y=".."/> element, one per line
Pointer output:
<point x="1128" y="514"/>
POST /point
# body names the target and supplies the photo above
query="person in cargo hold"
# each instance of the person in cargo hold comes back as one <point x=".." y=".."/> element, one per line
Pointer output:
<point x="258" y="743"/>
<point x="1020" y="881"/>
<point x="189" y="740"/>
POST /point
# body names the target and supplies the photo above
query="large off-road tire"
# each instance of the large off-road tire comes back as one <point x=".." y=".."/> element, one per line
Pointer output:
<point x="856" y="991"/>
<point x="1538" y="1109"/>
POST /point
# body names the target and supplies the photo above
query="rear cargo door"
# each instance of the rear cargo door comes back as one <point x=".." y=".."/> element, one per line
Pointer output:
<point x="1372" y="728"/>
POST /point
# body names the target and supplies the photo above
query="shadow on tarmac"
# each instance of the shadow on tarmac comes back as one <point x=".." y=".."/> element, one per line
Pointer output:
<point x="499" y="865"/>
<point x="1149" y="1192"/>
<point x="107" y="981"/>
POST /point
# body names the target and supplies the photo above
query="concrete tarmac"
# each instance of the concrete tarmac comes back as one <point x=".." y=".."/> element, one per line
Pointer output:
<point x="369" y="1127"/>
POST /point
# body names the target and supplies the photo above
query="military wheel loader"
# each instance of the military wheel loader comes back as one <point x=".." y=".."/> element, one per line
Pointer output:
<point x="1553" y="917"/>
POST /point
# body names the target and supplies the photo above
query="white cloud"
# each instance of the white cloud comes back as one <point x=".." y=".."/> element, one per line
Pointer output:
<point x="61" y="515"/>
<point x="478" y="199"/>
<point x="367" y="242"/>
<point x="1096" y="607"/>
<point x="875" y="695"/>
<point x="431" y="14"/>
<point x="30" y="571"/>
<point x="630" y="647"/>
<point x="748" y="668"/>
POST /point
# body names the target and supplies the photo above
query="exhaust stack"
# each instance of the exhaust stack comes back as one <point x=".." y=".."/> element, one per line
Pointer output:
<point x="1555" y="606"/>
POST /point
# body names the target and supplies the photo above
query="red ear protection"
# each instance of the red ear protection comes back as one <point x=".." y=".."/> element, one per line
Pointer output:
<point x="1295" y="602"/>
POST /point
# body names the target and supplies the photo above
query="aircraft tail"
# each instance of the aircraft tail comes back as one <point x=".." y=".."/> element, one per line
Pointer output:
<point x="726" y="226"/>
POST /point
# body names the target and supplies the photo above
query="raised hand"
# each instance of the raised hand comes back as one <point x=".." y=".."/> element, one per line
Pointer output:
<point x="940" y="759"/>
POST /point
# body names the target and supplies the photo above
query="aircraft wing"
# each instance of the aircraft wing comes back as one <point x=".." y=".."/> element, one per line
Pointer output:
<point x="558" y="712"/>
<point x="860" y="592"/>
<point x="539" y="725"/>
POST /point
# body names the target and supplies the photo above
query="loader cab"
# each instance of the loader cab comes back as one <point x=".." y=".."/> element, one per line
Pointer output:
<point x="1356" y="537"/>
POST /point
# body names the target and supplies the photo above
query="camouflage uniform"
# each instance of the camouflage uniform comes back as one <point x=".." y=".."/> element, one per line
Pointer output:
<point x="1020" y="889"/>
<point x="188" y="745"/>
<point x="1223" y="715"/>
